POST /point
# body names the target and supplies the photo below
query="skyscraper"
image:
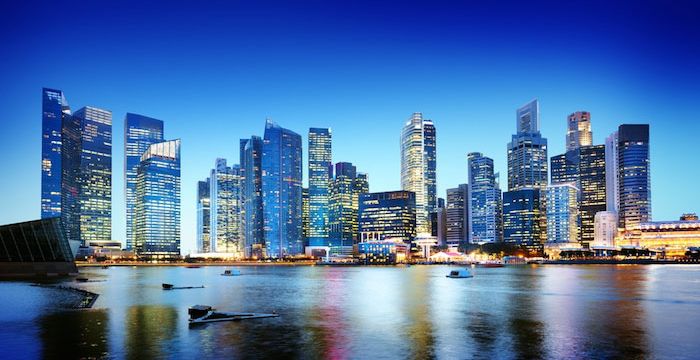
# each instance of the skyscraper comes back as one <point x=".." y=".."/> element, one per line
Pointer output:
<point x="527" y="151"/>
<point x="388" y="215"/>
<point x="225" y="187"/>
<point x="522" y="218"/>
<point x="320" y="176"/>
<point x="54" y="110"/>
<point x="157" y="206"/>
<point x="565" y="167"/>
<point x="86" y="189"/>
<point x="346" y="187"/>
<point x="457" y="216"/>
<point x="139" y="133"/>
<point x="579" y="130"/>
<point x="485" y="212"/>
<point x="592" y="189"/>
<point x="562" y="213"/>
<point x="612" y="187"/>
<point x="634" y="180"/>
<point x="418" y="164"/>
<point x="251" y="193"/>
<point x="281" y="191"/>
<point x="204" y="216"/>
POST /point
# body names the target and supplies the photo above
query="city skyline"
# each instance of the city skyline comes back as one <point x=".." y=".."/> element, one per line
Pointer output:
<point x="473" y="113"/>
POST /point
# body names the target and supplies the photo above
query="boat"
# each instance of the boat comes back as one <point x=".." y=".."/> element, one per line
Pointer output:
<point x="228" y="272"/>
<point x="200" y="314"/>
<point x="173" y="287"/>
<point x="491" y="265"/>
<point x="81" y="279"/>
<point x="460" y="274"/>
<point x="193" y="266"/>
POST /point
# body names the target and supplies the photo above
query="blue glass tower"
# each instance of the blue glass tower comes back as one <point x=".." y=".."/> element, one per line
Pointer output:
<point x="486" y="207"/>
<point x="225" y="187"/>
<point x="54" y="110"/>
<point x="86" y="189"/>
<point x="320" y="175"/>
<point x="633" y="175"/>
<point x="522" y="218"/>
<point x="157" y="210"/>
<point x="251" y="193"/>
<point x="281" y="191"/>
<point x="527" y="151"/>
<point x="139" y="133"/>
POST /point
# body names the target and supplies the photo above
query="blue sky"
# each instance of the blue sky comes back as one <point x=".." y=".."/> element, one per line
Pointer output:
<point x="214" y="74"/>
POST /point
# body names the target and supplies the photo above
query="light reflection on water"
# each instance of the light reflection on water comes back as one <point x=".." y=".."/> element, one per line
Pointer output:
<point x="364" y="312"/>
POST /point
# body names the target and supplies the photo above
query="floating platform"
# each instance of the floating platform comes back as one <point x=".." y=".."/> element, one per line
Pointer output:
<point x="173" y="287"/>
<point x="201" y="314"/>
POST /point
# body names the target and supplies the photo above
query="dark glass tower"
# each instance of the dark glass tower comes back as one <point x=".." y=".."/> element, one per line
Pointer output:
<point x="457" y="216"/>
<point x="388" y="215"/>
<point x="251" y="192"/>
<point x="157" y="210"/>
<point x="634" y="177"/>
<point x="203" y="216"/>
<point x="592" y="188"/>
<point x="346" y="187"/>
<point x="320" y="176"/>
<point x="281" y="191"/>
<point x="527" y="151"/>
<point x="139" y="133"/>
<point x="54" y="110"/>
<point x="485" y="220"/>
<point x="522" y="214"/>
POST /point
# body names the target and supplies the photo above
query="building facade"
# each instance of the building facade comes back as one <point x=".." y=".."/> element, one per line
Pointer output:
<point x="86" y="185"/>
<point x="527" y="151"/>
<point x="562" y="213"/>
<point x="418" y="166"/>
<point x="605" y="229"/>
<point x="456" y="216"/>
<point x="592" y="189"/>
<point x="346" y="187"/>
<point x="578" y="131"/>
<point x="157" y="210"/>
<point x="139" y="133"/>
<point x="251" y="196"/>
<point x="485" y="213"/>
<point x="387" y="216"/>
<point x="282" y="191"/>
<point x="204" y="216"/>
<point x="633" y="175"/>
<point x="320" y="176"/>
<point x="225" y="187"/>
<point x="54" y="110"/>
<point x="522" y="214"/>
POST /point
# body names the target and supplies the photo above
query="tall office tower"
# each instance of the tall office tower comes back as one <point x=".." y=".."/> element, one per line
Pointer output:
<point x="565" y="168"/>
<point x="203" y="216"/>
<point x="86" y="189"/>
<point x="281" y="191"/>
<point x="418" y="161"/>
<point x="157" y="207"/>
<point x="320" y="176"/>
<point x="634" y="178"/>
<point x="225" y="187"/>
<point x="54" y="110"/>
<point x="251" y="194"/>
<point x="457" y="216"/>
<point x="522" y="214"/>
<point x="579" y="130"/>
<point x="592" y="189"/>
<point x="612" y="187"/>
<point x="527" y="151"/>
<point x="305" y="210"/>
<point x="139" y="133"/>
<point x="562" y="213"/>
<point x="485" y="212"/>
<point x="346" y="187"/>
<point x="388" y="216"/>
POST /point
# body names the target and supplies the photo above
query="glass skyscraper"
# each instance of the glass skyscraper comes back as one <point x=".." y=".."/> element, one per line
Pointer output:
<point x="592" y="189"/>
<point x="418" y="167"/>
<point x="281" y="191"/>
<point x="204" y="216"/>
<point x="54" y="110"/>
<point x="251" y="193"/>
<point x="522" y="218"/>
<point x="157" y="207"/>
<point x="565" y="167"/>
<point x="456" y="216"/>
<point x="579" y="130"/>
<point x="634" y="178"/>
<point x="612" y="191"/>
<point x="485" y="212"/>
<point x="346" y="187"/>
<point x="320" y="176"/>
<point x="562" y="213"/>
<point x="139" y="133"/>
<point x="527" y="151"/>
<point x="388" y="216"/>
<point x="225" y="187"/>
<point x="86" y="189"/>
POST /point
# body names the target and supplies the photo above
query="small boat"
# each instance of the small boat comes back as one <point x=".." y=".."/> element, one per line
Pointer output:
<point x="200" y="314"/>
<point x="460" y="274"/>
<point x="228" y="272"/>
<point x="193" y="266"/>
<point x="173" y="287"/>
<point x="491" y="265"/>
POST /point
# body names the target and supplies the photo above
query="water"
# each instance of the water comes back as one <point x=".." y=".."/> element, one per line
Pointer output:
<point x="597" y="311"/>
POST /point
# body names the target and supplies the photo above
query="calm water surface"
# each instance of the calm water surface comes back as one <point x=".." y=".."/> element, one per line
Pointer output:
<point x="364" y="312"/>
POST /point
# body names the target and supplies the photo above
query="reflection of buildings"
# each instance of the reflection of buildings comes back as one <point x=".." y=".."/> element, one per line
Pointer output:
<point x="148" y="329"/>
<point x="75" y="335"/>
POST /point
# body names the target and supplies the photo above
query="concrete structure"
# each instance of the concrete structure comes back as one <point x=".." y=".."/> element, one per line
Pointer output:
<point x="605" y="229"/>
